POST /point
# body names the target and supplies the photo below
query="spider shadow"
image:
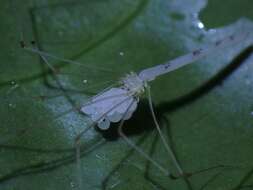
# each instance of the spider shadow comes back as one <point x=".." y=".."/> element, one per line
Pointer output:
<point x="137" y="126"/>
<point x="134" y="126"/>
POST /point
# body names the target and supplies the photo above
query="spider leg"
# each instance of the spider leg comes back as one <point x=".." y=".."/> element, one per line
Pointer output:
<point x="165" y="143"/>
<point x="139" y="150"/>
<point x="78" y="137"/>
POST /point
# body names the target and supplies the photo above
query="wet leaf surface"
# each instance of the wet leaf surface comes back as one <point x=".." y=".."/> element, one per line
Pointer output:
<point x="205" y="108"/>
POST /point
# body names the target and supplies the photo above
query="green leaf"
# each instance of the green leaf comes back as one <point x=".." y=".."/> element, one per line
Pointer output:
<point x="205" y="109"/>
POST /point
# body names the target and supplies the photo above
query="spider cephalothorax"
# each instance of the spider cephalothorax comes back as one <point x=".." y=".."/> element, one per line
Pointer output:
<point x="134" y="84"/>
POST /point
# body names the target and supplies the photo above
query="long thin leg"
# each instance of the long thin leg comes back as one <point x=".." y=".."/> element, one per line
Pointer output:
<point x="139" y="150"/>
<point x="78" y="155"/>
<point x="54" y="71"/>
<point x="77" y="140"/>
<point x="78" y="91"/>
<point x="169" y="150"/>
<point x="165" y="143"/>
<point x="35" y="50"/>
<point x="78" y="137"/>
<point x="43" y="55"/>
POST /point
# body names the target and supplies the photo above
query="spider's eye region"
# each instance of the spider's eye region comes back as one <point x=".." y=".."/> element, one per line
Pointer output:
<point x="133" y="83"/>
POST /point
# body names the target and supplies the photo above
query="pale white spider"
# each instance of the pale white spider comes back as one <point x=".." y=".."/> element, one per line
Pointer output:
<point x="117" y="104"/>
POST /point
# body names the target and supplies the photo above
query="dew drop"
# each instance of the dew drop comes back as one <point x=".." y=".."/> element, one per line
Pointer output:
<point x="13" y="82"/>
<point x="200" y="25"/>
